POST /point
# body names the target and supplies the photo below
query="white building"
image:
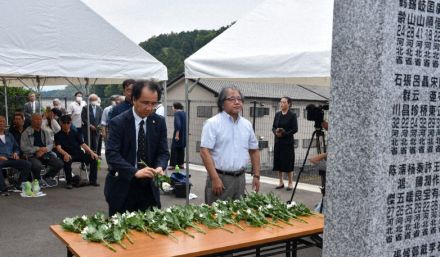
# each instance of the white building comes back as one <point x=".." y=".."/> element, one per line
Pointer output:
<point x="203" y="97"/>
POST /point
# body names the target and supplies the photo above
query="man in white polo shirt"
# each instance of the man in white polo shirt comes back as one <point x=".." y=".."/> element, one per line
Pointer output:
<point x="75" y="109"/>
<point x="227" y="143"/>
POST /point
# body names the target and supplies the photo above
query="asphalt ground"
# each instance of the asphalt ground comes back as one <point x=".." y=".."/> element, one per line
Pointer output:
<point x="24" y="222"/>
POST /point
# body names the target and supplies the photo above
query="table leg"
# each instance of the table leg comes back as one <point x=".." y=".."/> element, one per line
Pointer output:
<point x="294" y="247"/>
<point x="288" y="249"/>
<point x="69" y="253"/>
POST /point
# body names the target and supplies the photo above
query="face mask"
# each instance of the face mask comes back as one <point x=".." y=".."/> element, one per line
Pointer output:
<point x="79" y="98"/>
<point x="95" y="103"/>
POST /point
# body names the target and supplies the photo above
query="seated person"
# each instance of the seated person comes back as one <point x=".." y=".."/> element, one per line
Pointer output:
<point x="18" y="126"/>
<point x="9" y="152"/>
<point x="37" y="146"/>
<point x="68" y="143"/>
<point x="50" y="123"/>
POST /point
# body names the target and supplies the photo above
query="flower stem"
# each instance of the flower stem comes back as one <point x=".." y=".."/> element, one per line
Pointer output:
<point x="129" y="239"/>
<point x="106" y="244"/>
<point x="274" y="224"/>
<point x="197" y="229"/>
<point x="173" y="237"/>
<point x="186" y="232"/>
<point x="230" y="231"/>
<point x="238" y="226"/>
<point x="122" y="244"/>
<point x="147" y="232"/>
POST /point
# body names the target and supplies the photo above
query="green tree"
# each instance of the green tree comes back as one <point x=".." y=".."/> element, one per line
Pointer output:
<point x="16" y="97"/>
<point x="173" y="48"/>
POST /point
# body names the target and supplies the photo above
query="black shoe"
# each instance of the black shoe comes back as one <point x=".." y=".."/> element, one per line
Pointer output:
<point x="95" y="184"/>
<point x="50" y="182"/>
<point x="69" y="186"/>
<point x="280" y="186"/>
<point x="4" y="193"/>
<point x="289" y="188"/>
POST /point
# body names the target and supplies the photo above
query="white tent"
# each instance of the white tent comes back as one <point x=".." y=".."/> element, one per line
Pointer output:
<point x="64" y="42"/>
<point x="280" y="41"/>
<point x="286" y="41"/>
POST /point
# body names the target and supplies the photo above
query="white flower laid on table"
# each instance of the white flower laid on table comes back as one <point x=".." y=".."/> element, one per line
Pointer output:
<point x="255" y="210"/>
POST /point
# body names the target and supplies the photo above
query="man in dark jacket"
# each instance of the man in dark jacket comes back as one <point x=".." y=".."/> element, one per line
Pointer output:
<point x="136" y="151"/>
<point x="95" y="114"/>
<point x="127" y="87"/>
<point x="9" y="152"/>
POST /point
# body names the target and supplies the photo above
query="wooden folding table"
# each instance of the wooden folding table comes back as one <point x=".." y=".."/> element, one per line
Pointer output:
<point x="214" y="242"/>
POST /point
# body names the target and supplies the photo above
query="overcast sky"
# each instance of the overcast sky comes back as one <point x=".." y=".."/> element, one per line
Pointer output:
<point x="141" y="19"/>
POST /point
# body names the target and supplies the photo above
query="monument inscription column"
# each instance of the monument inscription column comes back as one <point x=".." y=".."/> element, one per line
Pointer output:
<point x="384" y="139"/>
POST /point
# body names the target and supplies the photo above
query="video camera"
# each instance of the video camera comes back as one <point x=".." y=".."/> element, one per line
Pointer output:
<point x="316" y="114"/>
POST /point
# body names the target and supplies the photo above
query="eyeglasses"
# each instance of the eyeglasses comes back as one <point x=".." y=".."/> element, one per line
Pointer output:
<point x="234" y="98"/>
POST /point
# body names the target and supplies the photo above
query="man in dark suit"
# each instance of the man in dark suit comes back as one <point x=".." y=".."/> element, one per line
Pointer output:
<point x="136" y="136"/>
<point x="95" y="114"/>
<point x="127" y="88"/>
<point x="31" y="107"/>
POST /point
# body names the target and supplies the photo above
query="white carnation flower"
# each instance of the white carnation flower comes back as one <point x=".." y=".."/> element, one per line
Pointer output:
<point x="85" y="231"/>
<point x="84" y="217"/>
<point x="290" y="205"/>
<point x="249" y="211"/>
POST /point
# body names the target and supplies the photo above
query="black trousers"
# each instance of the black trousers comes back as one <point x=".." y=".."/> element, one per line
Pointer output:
<point x="24" y="167"/>
<point x="177" y="156"/>
<point x="100" y="139"/>
<point x="139" y="198"/>
<point x="81" y="157"/>
<point x="53" y="164"/>
<point x="94" y="137"/>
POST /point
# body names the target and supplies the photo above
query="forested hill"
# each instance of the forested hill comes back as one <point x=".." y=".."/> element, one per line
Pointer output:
<point x="172" y="49"/>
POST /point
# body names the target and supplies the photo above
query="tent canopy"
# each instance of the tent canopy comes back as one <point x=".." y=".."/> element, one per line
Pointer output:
<point x="285" y="41"/>
<point x="64" y="40"/>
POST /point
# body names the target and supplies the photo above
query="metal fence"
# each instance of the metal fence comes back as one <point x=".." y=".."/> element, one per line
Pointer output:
<point x="200" y="111"/>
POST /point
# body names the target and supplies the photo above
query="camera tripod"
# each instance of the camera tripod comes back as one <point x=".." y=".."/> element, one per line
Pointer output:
<point x="319" y="137"/>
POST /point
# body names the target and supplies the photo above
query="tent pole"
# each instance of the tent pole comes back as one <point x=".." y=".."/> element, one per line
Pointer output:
<point x="187" y="141"/>
<point x="165" y="99"/>
<point x="39" y="93"/>
<point x="88" y="113"/>
<point x="6" y="101"/>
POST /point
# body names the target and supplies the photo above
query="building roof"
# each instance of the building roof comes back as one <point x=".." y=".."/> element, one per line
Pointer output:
<point x="275" y="91"/>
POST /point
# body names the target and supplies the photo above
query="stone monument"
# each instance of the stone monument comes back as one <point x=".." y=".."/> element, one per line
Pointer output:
<point x="382" y="194"/>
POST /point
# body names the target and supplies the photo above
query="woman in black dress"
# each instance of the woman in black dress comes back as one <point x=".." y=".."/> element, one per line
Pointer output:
<point x="285" y="125"/>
